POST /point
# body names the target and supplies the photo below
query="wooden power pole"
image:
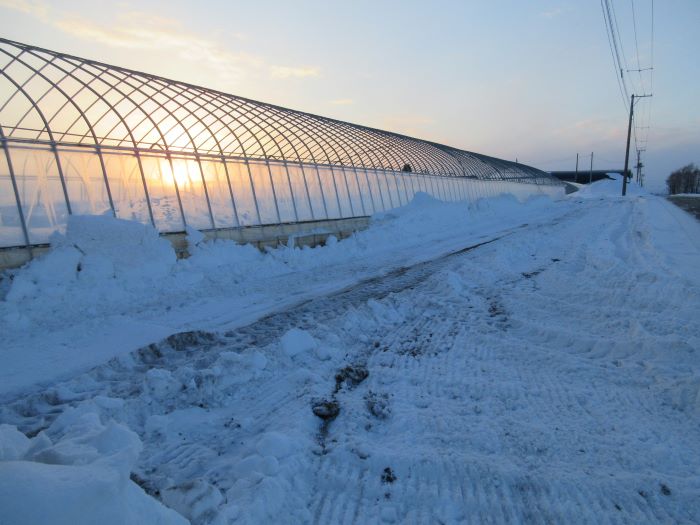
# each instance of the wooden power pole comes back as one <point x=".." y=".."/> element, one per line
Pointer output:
<point x="627" y="150"/>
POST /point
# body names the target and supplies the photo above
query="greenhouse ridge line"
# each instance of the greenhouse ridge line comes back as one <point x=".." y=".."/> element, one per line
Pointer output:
<point x="415" y="152"/>
<point x="213" y="90"/>
<point x="224" y="93"/>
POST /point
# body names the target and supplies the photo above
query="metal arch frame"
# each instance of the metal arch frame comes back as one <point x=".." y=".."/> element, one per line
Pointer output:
<point x="168" y="153"/>
<point x="479" y="168"/>
<point x="266" y="119"/>
<point x="289" y="130"/>
<point x="347" y="187"/>
<point x="240" y="143"/>
<point x="314" y="162"/>
<point x="81" y="113"/>
<point x="48" y="131"/>
<point x="353" y="140"/>
<point x="31" y="108"/>
<point x="128" y="129"/>
<point x="322" y="125"/>
<point x="186" y="119"/>
<point x="15" y="189"/>
<point x="269" y="170"/>
<point x="369" y="153"/>
<point x="206" y="127"/>
<point x="411" y="148"/>
<point x="330" y="165"/>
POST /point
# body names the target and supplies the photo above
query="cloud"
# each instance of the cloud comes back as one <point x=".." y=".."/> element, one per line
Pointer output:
<point x="342" y="102"/>
<point x="293" y="72"/>
<point x="554" y="12"/>
<point x="139" y="30"/>
<point x="596" y="130"/>
<point x="32" y="8"/>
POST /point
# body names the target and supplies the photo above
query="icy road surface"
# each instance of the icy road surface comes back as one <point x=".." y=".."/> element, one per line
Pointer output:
<point x="549" y="375"/>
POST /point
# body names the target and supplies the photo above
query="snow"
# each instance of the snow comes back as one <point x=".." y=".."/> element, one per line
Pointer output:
<point x="297" y="341"/>
<point x="610" y="187"/>
<point x="81" y="478"/>
<point x="13" y="444"/>
<point x="110" y="286"/>
<point x="550" y="373"/>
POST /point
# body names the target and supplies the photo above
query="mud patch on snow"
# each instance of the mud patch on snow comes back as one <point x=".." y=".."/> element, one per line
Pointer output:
<point x="498" y="313"/>
<point x="327" y="410"/>
<point x="388" y="475"/>
<point x="193" y="339"/>
<point x="534" y="273"/>
<point x="350" y="376"/>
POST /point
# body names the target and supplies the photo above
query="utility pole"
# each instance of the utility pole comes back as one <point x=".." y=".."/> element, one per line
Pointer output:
<point x="590" y="173"/>
<point x="576" y="180"/>
<point x="627" y="150"/>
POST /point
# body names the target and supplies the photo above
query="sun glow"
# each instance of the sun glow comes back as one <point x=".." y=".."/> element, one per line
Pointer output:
<point x="180" y="173"/>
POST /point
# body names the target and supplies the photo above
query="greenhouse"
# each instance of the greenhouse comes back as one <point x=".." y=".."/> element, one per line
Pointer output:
<point x="83" y="137"/>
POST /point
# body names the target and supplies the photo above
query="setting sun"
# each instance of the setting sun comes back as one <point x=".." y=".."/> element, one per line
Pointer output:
<point x="178" y="174"/>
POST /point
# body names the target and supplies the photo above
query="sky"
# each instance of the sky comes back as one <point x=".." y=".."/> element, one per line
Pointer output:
<point x="527" y="80"/>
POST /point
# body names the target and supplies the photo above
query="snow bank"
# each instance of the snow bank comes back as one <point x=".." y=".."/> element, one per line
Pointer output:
<point x="82" y="477"/>
<point x="104" y="266"/>
<point x="100" y="258"/>
<point x="109" y="286"/>
<point x="608" y="187"/>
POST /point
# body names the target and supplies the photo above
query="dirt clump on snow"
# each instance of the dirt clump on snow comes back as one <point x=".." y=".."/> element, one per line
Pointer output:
<point x="327" y="410"/>
<point x="351" y="375"/>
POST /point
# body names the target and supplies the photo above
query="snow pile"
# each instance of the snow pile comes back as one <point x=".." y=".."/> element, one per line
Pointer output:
<point x="82" y="476"/>
<point x="109" y="286"/>
<point x="229" y="410"/>
<point x="104" y="265"/>
<point x="297" y="341"/>
<point x="100" y="258"/>
<point x="610" y="187"/>
<point x="417" y="226"/>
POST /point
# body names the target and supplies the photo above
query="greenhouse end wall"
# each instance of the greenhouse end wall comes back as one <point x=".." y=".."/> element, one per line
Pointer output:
<point x="172" y="192"/>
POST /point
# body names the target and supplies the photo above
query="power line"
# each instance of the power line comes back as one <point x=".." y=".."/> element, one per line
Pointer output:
<point x="651" y="73"/>
<point x="642" y="137"/>
<point x="617" y="30"/>
<point x="614" y="51"/>
<point x="637" y="83"/>
<point x="636" y="45"/>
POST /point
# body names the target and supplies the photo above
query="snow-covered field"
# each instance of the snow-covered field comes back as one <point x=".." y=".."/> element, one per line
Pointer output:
<point x="550" y="373"/>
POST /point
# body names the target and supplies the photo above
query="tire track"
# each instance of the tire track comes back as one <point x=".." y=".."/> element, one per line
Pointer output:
<point x="529" y="499"/>
<point x="499" y="410"/>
